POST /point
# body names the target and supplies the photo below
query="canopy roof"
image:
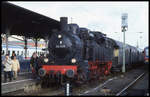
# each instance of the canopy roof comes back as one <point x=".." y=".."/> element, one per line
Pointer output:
<point x="23" y="22"/>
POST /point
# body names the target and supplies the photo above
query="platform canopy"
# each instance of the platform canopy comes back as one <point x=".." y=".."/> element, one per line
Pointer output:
<point x="23" y="22"/>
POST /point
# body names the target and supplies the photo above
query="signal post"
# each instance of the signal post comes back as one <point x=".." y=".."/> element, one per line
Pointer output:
<point x="124" y="28"/>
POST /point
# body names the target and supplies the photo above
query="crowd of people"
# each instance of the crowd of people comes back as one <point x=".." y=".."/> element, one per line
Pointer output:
<point x="12" y="66"/>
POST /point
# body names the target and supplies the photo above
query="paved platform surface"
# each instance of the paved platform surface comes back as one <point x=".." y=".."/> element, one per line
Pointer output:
<point x="23" y="79"/>
<point x="21" y="76"/>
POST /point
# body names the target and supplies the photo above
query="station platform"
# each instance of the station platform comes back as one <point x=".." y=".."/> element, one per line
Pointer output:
<point x="23" y="79"/>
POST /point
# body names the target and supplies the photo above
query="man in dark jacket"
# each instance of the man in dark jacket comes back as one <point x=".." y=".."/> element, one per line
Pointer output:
<point x="34" y="64"/>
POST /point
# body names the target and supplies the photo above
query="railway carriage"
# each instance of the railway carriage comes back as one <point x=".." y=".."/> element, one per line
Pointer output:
<point x="20" y="51"/>
<point x="133" y="56"/>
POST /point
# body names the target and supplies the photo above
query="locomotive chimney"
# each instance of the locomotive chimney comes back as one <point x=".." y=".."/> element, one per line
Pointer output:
<point x="64" y="23"/>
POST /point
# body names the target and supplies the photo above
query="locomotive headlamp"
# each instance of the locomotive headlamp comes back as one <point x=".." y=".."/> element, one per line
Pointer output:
<point x="59" y="36"/>
<point x="45" y="60"/>
<point x="73" y="60"/>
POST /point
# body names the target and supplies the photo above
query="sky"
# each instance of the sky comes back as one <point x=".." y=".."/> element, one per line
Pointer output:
<point x="100" y="16"/>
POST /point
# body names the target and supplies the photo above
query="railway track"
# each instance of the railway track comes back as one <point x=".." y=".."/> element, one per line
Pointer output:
<point x="123" y="91"/>
<point x="119" y="85"/>
<point x="98" y="87"/>
<point x="103" y="89"/>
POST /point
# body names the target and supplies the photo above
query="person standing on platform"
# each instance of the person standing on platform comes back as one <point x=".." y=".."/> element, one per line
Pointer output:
<point x="34" y="64"/>
<point x="12" y="57"/>
<point x="7" y="68"/>
<point x="13" y="54"/>
<point x="15" y="67"/>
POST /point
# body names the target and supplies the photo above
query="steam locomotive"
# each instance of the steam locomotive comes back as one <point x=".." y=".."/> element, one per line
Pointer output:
<point x="78" y="54"/>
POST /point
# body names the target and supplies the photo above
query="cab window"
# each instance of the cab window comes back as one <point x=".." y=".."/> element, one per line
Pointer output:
<point x="116" y="52"/>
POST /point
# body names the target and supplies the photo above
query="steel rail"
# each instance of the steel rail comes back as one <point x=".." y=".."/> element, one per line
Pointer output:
<point x="99" y="86"/>
<point x="124" y="89"/>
